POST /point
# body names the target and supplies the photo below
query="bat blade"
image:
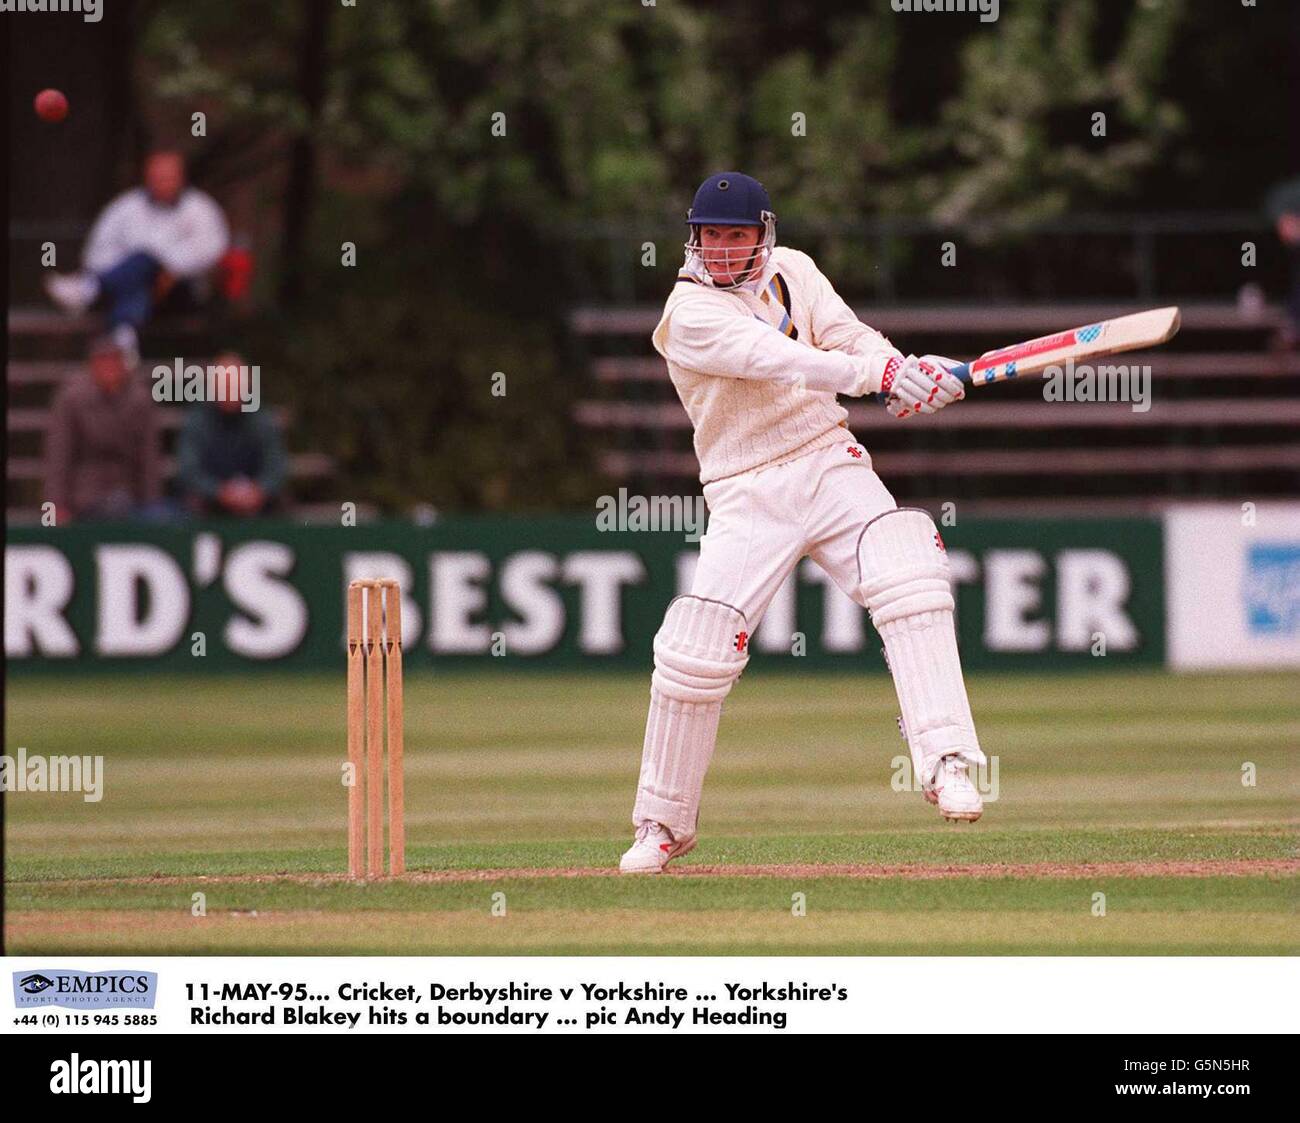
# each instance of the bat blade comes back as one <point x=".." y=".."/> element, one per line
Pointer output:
<point x="1106" y="337"/>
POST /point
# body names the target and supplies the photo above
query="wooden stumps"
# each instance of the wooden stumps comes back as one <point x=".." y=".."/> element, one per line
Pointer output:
<point x="396" y="732"/>
<point x="356" y="730"/>
<point x="375" y="701"/>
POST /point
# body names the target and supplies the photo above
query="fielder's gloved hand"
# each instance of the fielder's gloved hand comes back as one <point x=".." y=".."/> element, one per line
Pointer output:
<point x="920" y="385"/>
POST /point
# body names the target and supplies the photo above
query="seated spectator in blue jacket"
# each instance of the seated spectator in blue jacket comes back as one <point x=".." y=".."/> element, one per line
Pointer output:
<point x="230" y="461"/>
<point x="146" y="245"/>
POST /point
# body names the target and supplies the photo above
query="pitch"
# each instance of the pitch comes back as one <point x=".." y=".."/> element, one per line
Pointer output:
<point x="518" y="793"/>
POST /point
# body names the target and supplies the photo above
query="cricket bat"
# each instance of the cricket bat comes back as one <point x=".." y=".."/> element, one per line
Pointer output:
<point x="1107" y="337"/>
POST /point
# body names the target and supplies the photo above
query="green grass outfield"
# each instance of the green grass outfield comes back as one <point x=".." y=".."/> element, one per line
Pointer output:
<point x="1126" y="785"/>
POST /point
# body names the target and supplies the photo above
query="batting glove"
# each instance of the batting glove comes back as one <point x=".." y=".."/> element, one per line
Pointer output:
<point x="921" y="385"/>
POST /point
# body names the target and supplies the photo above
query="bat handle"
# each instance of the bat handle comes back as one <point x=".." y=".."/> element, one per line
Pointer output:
<point x="961" y="370"/>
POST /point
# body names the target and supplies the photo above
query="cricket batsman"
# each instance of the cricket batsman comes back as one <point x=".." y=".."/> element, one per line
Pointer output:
<point x="758" y="345"/>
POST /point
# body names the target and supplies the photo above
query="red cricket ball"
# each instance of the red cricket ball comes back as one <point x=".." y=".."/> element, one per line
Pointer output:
<point x="51" y="106"/>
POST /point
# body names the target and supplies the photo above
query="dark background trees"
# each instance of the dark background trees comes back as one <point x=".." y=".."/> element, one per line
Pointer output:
<point x="373" y="125"/>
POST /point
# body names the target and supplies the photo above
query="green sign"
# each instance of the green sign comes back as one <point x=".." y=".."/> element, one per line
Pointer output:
<point x="553" y="592"/>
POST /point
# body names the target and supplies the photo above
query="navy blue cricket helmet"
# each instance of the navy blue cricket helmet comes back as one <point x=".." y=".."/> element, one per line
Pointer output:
<point x="730" y="199"/>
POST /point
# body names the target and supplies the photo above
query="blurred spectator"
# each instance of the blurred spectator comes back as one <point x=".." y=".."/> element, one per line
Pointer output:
<point x="230" y="461"/>
<point x="150" y="244"/>
<point x="101" y="448"/>
<point x="1284" y="211"/>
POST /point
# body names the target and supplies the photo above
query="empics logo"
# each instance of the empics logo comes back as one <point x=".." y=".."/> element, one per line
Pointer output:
<point x="35" y="984"/>
<point x="85" y="990"/>
<point x="102" y="1078"/>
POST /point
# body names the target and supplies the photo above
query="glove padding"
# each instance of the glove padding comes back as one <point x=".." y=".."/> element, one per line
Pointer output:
<point x="921" y="385"/>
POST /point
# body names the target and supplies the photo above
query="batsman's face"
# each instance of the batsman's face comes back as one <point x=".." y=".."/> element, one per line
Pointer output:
<point x="728" y="251"/>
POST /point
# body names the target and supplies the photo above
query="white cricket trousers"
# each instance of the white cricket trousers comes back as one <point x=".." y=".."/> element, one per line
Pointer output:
<point x="761" y="524"/>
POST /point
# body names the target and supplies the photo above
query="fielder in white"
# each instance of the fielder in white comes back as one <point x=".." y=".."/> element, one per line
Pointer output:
<point x="758" y="345"/>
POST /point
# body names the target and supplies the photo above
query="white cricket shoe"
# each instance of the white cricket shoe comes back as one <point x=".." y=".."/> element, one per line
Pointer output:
<point x="73" y="292"/>
<point x="958" y="799"/>
<point x="653" y="849"/>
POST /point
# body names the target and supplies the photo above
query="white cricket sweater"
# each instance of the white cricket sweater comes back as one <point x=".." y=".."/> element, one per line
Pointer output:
<point x="187" y="239"/>
<point x="759" y="386"/>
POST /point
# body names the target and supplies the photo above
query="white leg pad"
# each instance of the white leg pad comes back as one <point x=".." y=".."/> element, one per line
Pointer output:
<point x="696" y="664"/>
<point x="906" y="587"/>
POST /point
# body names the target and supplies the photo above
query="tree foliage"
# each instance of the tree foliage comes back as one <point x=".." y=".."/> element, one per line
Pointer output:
<point x="470" y="242"/>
